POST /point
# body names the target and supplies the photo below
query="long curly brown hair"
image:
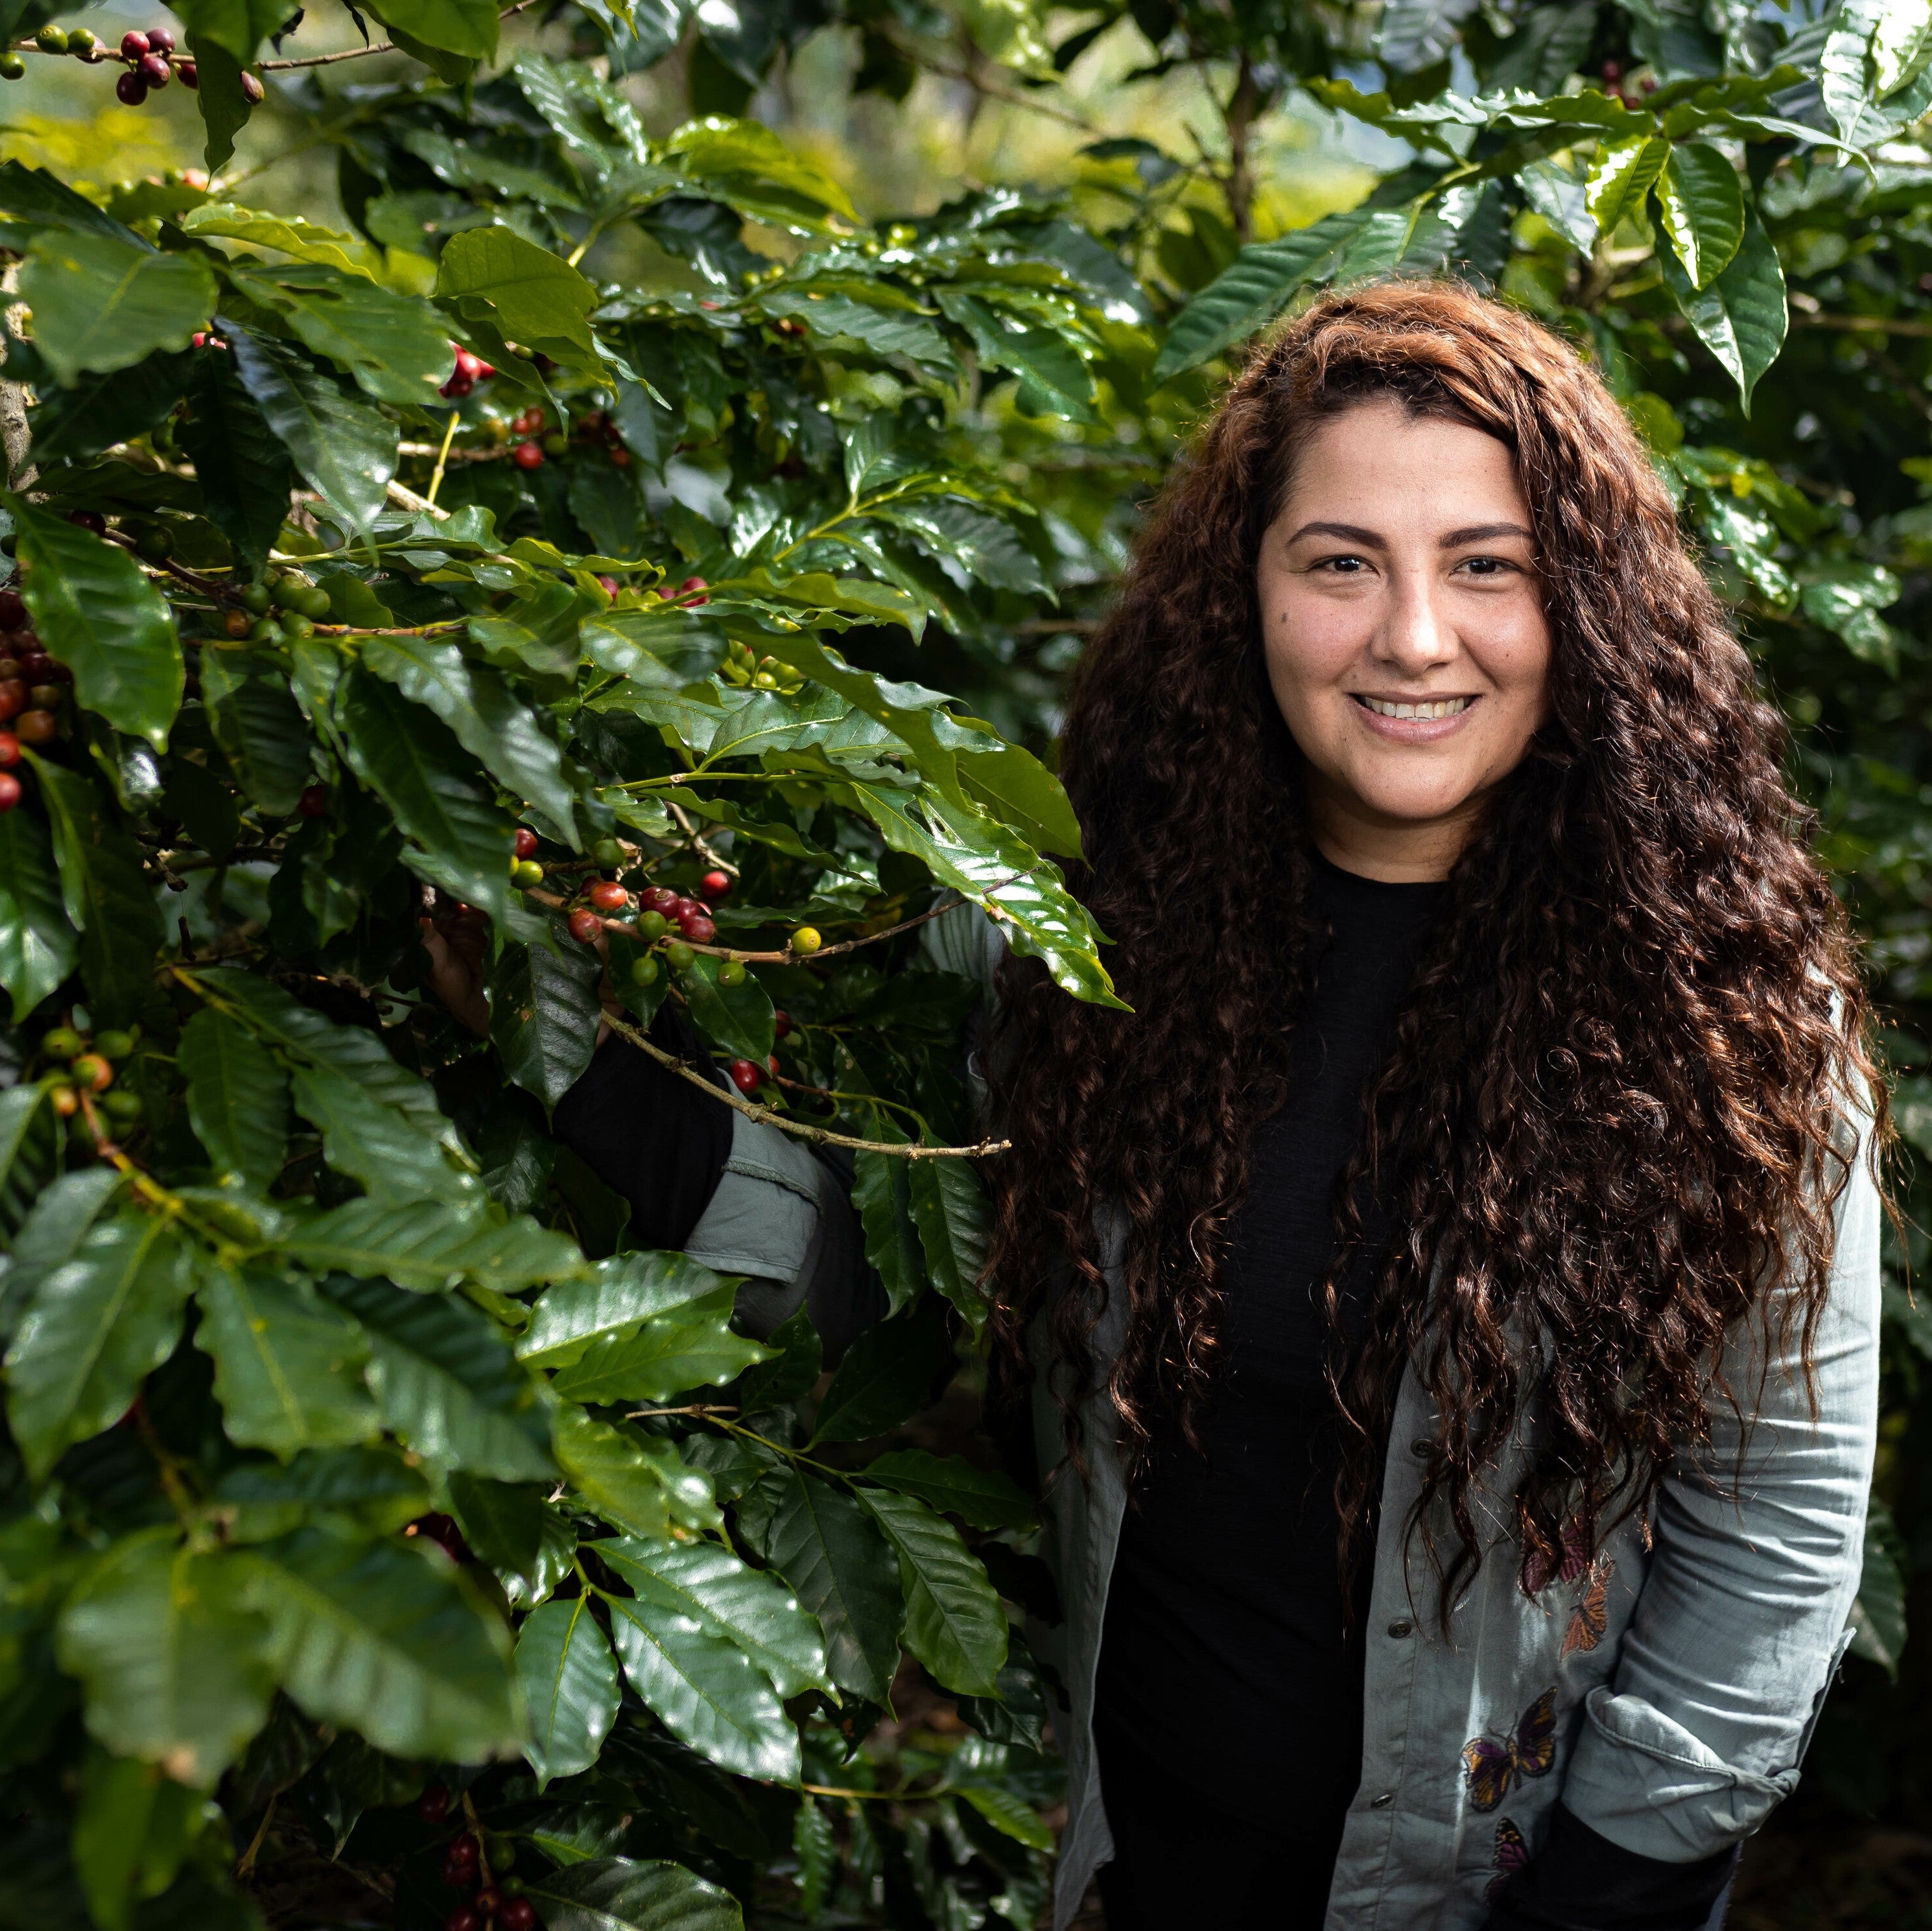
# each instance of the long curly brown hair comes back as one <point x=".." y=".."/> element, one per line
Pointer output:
<point x="1606" y="1129"/>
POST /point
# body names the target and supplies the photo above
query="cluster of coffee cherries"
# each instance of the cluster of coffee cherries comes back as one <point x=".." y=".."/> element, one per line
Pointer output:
<point x="90" y="1066"/>
<point x="150" y="60"/>
<point x="283" y="608"/>
<point x="742" y="666"/>
<point x="32" y="692"/>
<point x="1619" y="88"/>
<point x="599" y="426"/>
<point x="469" y="370"/>
<point x="539" y="440"/>
<point x="496" y="1893"/>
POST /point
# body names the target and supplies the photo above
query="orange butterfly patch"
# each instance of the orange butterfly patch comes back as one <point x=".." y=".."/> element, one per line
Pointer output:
<point x="1591" y="1616"/>
<point x="1491" y="1765"/>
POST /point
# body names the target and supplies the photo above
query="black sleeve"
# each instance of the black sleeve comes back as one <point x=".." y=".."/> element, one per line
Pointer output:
<point x="648" y="1134"/>
<point x="1581" y="1881"/>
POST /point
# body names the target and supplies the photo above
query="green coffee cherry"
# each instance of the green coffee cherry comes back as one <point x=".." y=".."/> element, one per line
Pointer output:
<point x="297" y="627"/>
<point x="680" y="955"/>
<point x="731" y="972"/>
<point x="609" y="853"/>
<point x="62" y="1043"/>
<point x="526" y="873"/>
<point x="806" y="940"/>
<point x="121" y="1106"/>
<point x="644" y="971"/>
<point x="652" y="926"/>
<point x="114" y="1045"/>
<point x="313" y="602"/>
<point x="255" y="599"/>
<point x="51" y="40"/>
<point x="264" y="630"/>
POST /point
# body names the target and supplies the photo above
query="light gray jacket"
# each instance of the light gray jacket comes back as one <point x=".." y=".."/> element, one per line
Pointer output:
<point x="1666" y="1693"/>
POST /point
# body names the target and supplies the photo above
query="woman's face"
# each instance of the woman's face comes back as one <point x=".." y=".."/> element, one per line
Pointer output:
<point x="1401" y="614"/>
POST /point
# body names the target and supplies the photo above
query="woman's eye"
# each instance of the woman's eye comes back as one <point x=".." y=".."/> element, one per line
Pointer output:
<point x="1342" y="566"/>
<point x="1486" y="566"/>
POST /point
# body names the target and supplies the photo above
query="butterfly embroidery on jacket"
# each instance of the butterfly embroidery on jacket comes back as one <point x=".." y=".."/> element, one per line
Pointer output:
<point x="1512" y="1855"/>
<point x="1591" y="1616"/>
<point x="1539" y="1571"/>
<point x="1529" y="1751"/>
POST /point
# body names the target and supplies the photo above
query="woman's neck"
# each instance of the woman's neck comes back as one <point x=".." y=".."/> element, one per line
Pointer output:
<point x="1393" y="851"/>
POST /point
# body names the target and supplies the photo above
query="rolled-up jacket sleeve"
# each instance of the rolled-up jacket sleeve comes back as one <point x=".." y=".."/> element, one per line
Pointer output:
<point x="1758" y="1540"/>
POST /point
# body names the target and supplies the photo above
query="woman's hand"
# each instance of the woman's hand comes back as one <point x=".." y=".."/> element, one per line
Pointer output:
<point x="455" y="950"/>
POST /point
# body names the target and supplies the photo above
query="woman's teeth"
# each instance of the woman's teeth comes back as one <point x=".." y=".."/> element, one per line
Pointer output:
<point x="1445" y="707"/>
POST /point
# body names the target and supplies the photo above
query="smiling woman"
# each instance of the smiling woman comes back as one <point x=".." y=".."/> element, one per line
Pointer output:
<point x="1450" y="1293"/>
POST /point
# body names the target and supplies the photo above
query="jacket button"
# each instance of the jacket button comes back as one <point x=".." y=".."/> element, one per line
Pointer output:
<point x="1421" y="1445"/>
<point x="1382" y="1802"/>
<point x="1404" y="1628"/>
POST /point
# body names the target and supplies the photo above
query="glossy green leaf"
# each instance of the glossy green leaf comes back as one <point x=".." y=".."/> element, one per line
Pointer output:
<point x="568" y="1679"/>
<point x="1702" y="204"/>
<point x="735" y="1018"/>
<point x="636" y="1481"/>
<point x="98" y="1325"/>
<point x="616" y="1298"/>
<point x="372" y="1490"/>
<point x="892" y="1370"/>
<point x="511" y="1526"/>
<point x="882" y="1191"/>
<point x="259" y="727"/>
<point x="954" y="1623"/>
<point x="798" y="1360"/>
<point x="830" y="1550"/>
<point x="245" y="470"/>
<point x="459" y="839"/>
<point x="446" y="1383"/>
<point x="688" y="1347"/>
<point x="984" y="1499"/>
<point x="1742" y="317"/>
<point x="238" y="1098"/>
<point x="745" y="1605"/>
<point x="38" y="948"/>
<point x="1622" y="175"/>
<point x="238" y="25"/>
<point x="949" y="1207"/>
<point x="1011" y="1815"/>
<point x="615" y="1894"/>
<point x="131" y="1831"/>
<point x="173" y="1661"/>
<point x="225" y="107"/>
<point x="344" y="445"/>
<point x="288" y="1367"/>
<point x="465" y="27"/>
<point x="707" y="1691"/>
<point x="1054" y="380"/>
<point x="545" y="1013"/>
<point x="387" y="1638"/>
<point x="100" y="411"/>
<point x="394" y="345"/>
<point x="97" y="613"/>
<point x="427" y="1245"/>
<point x="489" y="719"/>
<point x="534" y="297"/>
<point x="102" y="303"/>
<point x="57" y="1221"/>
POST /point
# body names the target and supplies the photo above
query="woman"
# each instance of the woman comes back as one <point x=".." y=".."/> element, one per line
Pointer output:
<point x="1450" y="1295"/>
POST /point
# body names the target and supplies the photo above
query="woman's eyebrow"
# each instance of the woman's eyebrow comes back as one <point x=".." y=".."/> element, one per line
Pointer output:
<point x="1347" y="532"/>
<point x="1483" y="532"/>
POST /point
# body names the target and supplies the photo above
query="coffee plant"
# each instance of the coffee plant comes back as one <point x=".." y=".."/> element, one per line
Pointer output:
<point x="552" y="541"/>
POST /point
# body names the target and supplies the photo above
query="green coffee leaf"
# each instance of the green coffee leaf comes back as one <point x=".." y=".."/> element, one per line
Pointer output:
<point x="634" y="1480"/>
<point x="545" y="1013"/>
<point x="387" y="1638"/>
<point x="1878" y="1624"/>
<point x="98" y="614"/>
<point x="174" y="1663"/>
<point x="614" y="1894"/>
<point x="132" y="1830"/>
<point x="1742" y="317"/>
<point x="830" y="1550"/>
<point x="534" y="297"/>
<point x="882" y="1191"/>
<point x="394" y="345"/>
<point x="954" y="1623"/>
<point x="569" y="1684"/>
<point x="447" y="1384"/>
<point x="57" y="1221"/>
<point x="288" y="1367"/>
<point x="38" y="948"/>
<point x="736" y="1018"/>
<point x="259" y="727"/>
<point x="509" y="1524"/>
<point x="238" y="1098"/>
<point x="96" y="1326"/>
<point x="982" y="1497"/>
<point x="1010" y="1814"/>
<point x="1620" y="177"/>
<point x="459" y="839"/>
<point x="687" y="1347"/>
<point x="707" y="1691"/>
<point x="244" y="471"/>
<point x="745" y="1606"/>
<point x="102" y="303"/>
<point x="798" y="1360"/>
<point x="372" y="1489"/>
<point x="345" y="447"/>
<point x="611" y="1305"/>
<point x="949" y="1207"/>
<point x="890" y="1371"/>
<point x="238" y="25"/>
<point x="1702" y="204"/>
<point x="428" y="1246"/>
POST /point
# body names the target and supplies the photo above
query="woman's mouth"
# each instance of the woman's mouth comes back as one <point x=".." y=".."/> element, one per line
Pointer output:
<point x="1432" y="707"/>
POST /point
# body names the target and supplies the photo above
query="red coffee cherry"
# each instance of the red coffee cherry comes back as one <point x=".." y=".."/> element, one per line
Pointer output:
<point x="188" y="74"/>
<point x="745" y="1075"/>
<point x="161" y="40"/>
<point x="89" y="519"/>
<point x="463" y="1918"/>
<point x="780" y="1024"/>
<point x="691" y="592"/>
<point x="155" y="70"/>
<point x="131" y="90"/>
<point x="36" y="728"/>
<point x="464" y="1850"/>
<point x="527" y="456"/>
<point x="526" y="845"/>
<point x="9" y="791"/>
<point x="133" y="46"/>
<point x="36" y="666"/>
<point x="12" y="610"/>
<point x="10" y="749"/>
<point x="252" y="92"/>
<point x="585" y="926"/>
<point x="657" y="898"/>
<point x="432" y="1805"/>
<point x="314" y="802"/>
<point x="771" y="1062"/>
<point x="714" y="884"/>
<point x="698" y="929"/>
<point x="607" y="895"/>
<point x="518" y="1913"/>
<point x="13" y="699"/>
<point x="487" y="1899"/>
